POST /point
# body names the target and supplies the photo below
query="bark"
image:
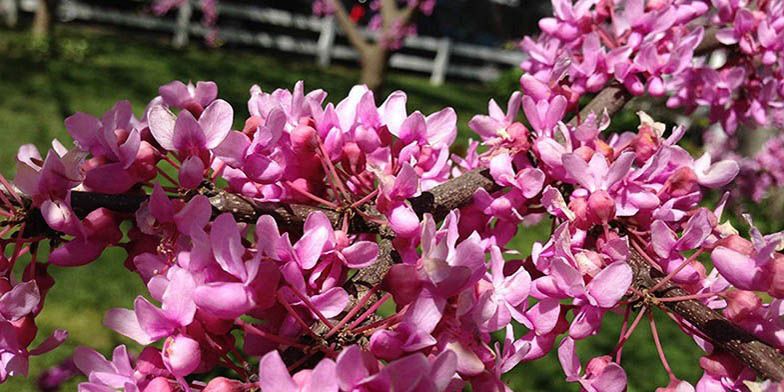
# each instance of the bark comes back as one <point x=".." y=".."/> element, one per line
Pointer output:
<point x="43" y="21"/>
<point x="374" y="61"/>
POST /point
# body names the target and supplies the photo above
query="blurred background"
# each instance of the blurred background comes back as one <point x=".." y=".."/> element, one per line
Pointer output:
<point x="58" y="57"/>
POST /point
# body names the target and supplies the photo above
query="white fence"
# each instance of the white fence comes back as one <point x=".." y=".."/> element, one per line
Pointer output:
<point x="438" y="57"/>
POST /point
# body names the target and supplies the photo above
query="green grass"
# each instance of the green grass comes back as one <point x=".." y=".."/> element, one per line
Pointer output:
<point x="94" y="69"/>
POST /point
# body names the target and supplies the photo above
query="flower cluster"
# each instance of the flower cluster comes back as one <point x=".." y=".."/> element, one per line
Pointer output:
<point x="654" y="47"/>
<point x="227" y="286"/>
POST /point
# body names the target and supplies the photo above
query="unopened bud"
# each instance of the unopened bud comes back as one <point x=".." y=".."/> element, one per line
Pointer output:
<point x="223" y="384"/>
<point x="602" y="205"/>
<point x="353" y="158"/>
<point x="777" y="276"/>
<point x="741" y="304"/>
<point x="737" y="243"/>
<point x="304" y="139"/>
<point x="584" y="152"/>
<point x="159" y="384"/>
<point x="251" y="125"/>
<point x="181" y="354"/>
<point x="681" y="182"/>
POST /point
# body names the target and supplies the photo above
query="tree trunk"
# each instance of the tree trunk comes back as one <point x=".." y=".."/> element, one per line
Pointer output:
<point x="374" y="62"/>
<point x="44" y="16"/>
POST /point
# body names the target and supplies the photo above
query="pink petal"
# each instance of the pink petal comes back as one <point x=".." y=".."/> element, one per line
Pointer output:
<point x="393" y="111"/>
<point x="178" y="298"/>
<point x="174" y="93"/>
<point x="216" y="121"/>
<point x="361" y="254"/>
<point x="84" y="129"/>
<point x="486" y="126"/>
<point x="567" y="355"/>
<point x="110" y="178"/>
<point x="161" y="122"/>
<point x="227" y="246"/>
<point x="331" y="302"/>
<point x="719" y="174"/>
<point x="153" y="320"/>
<point x="609" y="285"/>
<point x="88" y="361"/>
<point x="310" y="247"/>
<point x="612" y="379"/>
<point x="404" y="221"/>
<point x="20" y="301"/>
<point x="224" y="300"/>
<point x="322" y="379"/>
<point x="188" y="135"/>
<point x="273" y="375"/>
<point x="739" y="269"/>
<point x="191" y="172"/>
<point x="442" y="127"/>
<point x="195" y="214"/>
<point x="350" y="367"/>
<point x="125" y="322"/>
<point x="160" y="206"/>
<point x="232" y="149"/>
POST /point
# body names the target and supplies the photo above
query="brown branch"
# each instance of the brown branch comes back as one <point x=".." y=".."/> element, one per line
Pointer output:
<point x="762" y="358"/>
<point x="349" y="27"/>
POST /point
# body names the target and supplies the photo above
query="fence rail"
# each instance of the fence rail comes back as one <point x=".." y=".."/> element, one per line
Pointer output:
<point x="310" y="35"/>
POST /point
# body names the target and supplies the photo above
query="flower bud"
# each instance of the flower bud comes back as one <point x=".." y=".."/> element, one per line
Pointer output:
<point x="150" y="362"/>
<point x="645" y="144"/>
<point x="102" y="226"/>
<point x="721" y="364"/>
<point x="681" y="182"/>
<point x="402" y="283"/>
<point x="737" y="243"/>
<point x="304" y="139"/>
<point x="191" y="173"/>
<point x="25" y="330"/>
<point x="353" y="158"/>
<point x="385" y="345"/>
<point x="584" y="217"/>
<point x="602" y="205"/>
<point x="251" y="125"/>
<point x="777" y="276"/>
<point x="596" y="365"/>
<point x="181" y="355"/>
<point x="589" y="262"/>
<point x="584" y="152"/>
<point x="223" y="384"/>
<point x="144" y="165"/>
<point x="519" y="135"/>
<point x="159" y="384"/>
<point x="741" y="304"/>
<point x="194" y="107"/>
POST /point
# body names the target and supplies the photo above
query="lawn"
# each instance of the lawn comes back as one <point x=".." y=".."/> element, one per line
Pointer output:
<point x="94" y="68"/>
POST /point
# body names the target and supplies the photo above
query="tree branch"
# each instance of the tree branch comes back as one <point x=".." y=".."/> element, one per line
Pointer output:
<point x="349" y="27"/>
<point x="762" y="358"/>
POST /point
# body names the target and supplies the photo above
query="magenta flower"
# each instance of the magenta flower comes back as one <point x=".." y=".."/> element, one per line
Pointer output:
<point x="189" y="97"/>
<point x="185" y="134"/>
<point x="600" y="374"/>
<point x="147" y="323"/>
<point x="273" y="376"/>
<point x="498" y="304"/>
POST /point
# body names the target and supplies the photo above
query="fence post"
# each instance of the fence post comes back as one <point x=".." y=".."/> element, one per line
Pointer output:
<point x="180" y="38"/>
<point x="441" y="62"/>
<point x="10" y="11"/>
<point x="326" y="40"/>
